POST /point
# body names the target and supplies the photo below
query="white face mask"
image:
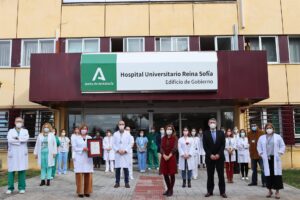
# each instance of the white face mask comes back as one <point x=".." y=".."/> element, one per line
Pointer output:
<point x="162" y="132"/>
<point x="243" y="134"/>
<point x="235" y="130"/>
<point x="121" y="127"/>
<point x="212" y="125"/>
<point x="19" y="125"/>
<point x="169" y="132"/>
<point x="83" y="131"/>
<point x="185" y="133"/>
<point x="142" y="134"/>
<point x="269" y="130"/>
<point x="46" y="130"/>
<point x="193" y="133"/>
<point x="63" y="133"/>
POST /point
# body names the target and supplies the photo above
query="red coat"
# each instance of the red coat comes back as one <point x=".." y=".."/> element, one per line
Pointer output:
<point x="168" y="145"/>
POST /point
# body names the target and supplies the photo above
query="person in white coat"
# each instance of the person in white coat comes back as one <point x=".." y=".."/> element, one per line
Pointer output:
<point x="201" y="160"/>
<point x="109" y="154"/>
<point x="130" y="153"/>
<point x="76" y="133"/>
<point x="17" y="156"/>
<point x="271" y="147"/>
<point x="122" y="146"/>
<point x="230" y="154"/>
<point x="186" y="157"/>
<point x="243" y="154"/>
<point x="196" y="141"/>
<point x="83" y="165"/>
<point x="63" y="150"/>
<point x="45" y="151"/>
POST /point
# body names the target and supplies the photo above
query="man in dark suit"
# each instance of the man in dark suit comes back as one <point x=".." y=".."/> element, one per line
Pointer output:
<point x="214" y="144"/>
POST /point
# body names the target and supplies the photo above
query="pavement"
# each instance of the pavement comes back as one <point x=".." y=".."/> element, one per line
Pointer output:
<point x="145" y="186"/>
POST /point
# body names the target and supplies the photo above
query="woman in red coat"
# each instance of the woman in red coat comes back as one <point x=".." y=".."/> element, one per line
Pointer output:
<point x="168" y="163"/>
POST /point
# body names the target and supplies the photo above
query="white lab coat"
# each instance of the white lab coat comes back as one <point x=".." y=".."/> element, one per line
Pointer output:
<point x="230" y="143"/>
<point x="122" y="142"/>
<point x="279" y="149"/>
<point x="108" y="144"/>
<point x="82" y="163"/>
<point x="184" y="148"/>
<point x="17" y="155"/>
<point x="243" y="150"/>
<point x="52" y="148"/>
<point x="201" y="149"/>
<point x="196" y="141"/>
<point x="73" y="137"/>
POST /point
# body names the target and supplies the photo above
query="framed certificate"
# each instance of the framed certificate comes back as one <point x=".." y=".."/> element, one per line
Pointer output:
<point x="95" y="147"/>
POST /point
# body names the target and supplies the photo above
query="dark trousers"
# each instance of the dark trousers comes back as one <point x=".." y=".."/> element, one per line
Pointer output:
<point x="118" y="174"/>
<point x="170" y="181"/>
<point x="254" y="163"/>
<point x="211" y="166"/>
<point x="244" y="169"/>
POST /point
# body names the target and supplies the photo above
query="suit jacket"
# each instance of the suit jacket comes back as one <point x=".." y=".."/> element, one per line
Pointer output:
<point x="212" y="148"/>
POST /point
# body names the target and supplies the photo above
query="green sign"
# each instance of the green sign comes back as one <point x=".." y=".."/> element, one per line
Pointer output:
<point x="98" y="72"/>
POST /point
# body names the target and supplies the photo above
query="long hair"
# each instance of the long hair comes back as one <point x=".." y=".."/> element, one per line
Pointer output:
<point x="174" y="131"/>
<point x="49" y="126"/>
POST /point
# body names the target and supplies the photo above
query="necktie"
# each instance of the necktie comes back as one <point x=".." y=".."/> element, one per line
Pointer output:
<point x="214" y="136"/>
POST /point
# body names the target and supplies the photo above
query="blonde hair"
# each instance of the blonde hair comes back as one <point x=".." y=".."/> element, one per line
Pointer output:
<point x="49" y="126"/>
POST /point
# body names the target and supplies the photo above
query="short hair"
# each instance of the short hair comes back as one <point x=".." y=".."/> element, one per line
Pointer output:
<point x="212" y="119"/>
<point x="19" y="118"/>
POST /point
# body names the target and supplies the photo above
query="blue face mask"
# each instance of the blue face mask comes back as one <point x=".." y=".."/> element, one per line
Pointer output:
<point x="254" y="128"/>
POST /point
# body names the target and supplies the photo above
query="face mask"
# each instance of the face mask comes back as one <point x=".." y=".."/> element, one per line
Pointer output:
<point x="152" y="131"/>
<point x="212" y="125"/>
<point x="46" y="130"/>
<point x="63" y="134"/>
<point x="228" y="133"/>
<point x="235" y="131"/>
<point x="243" y="134"/>
<point x="200" y="132"/>
<point x="121" y="127"/>
<point x="19" y="125"/>
<point x="162" y="132"/>
<point x="254" y="128"/>
<point x="193" y="133"/>
<point x="142" y="134"/>
<point x="185" y="133"/>
<point x="83" y="131"/>
<point x="169" y="132"/>
<point x="269" y="131"/>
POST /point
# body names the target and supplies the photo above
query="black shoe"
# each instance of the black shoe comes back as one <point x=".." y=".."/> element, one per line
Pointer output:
<point x="80" y="196"/>
<point x="170" y="193"/>
<point x="252" y="184"/>
<point x="117" y="185"/>
<point x="224" y="195"/>
<point x="189" y="183"/>
<point x="166" y="192"/>
<point x="48" y="182"/>
<point x="42" y="182"/>
<point x="87" y="195"/>
<point x="263" y="185"/>
<point x="183" y="183"/>
<point x="127" y="185"/>
<point x="208" y="194"/>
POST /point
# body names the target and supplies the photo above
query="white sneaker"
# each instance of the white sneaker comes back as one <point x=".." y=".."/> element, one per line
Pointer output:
<point x="8" y="192"/>
<point x="247" y="178"/>
<point x="131" y="177"/>
<point x="22" y="191"/>
<point x="195" y="178"/>
<point x="112" y="171"/>
<point x="106" y="171"/>
<point x="243" y="178"/>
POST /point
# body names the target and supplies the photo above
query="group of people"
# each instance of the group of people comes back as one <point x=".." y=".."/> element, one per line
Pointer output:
<point x="213" y="149"/>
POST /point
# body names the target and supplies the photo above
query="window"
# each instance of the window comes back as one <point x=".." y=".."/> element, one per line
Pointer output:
<point x="3" y="124"/>
<point x="172" y="44"/>
<point x="297" y="122"/>
<point x="134" y="44"/>
<point x="294" y="49"/>
<point x="216" y="43"/>
<point x="89" y="45"/>
<point x="116" y="45"/>
<point x="5" y="53"/>
<point x="268" y="43"/>
<point x="35" y="46"/>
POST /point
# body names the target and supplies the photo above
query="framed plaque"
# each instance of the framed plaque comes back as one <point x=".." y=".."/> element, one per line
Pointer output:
<point x="95" y="147"/>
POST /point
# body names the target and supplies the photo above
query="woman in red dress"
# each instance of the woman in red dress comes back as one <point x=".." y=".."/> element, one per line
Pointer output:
<point x="168" y="163"/>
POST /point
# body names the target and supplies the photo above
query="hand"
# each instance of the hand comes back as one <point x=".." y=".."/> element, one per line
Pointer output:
<point x="85" y="149"/>
<point x="165" y="157"/>
<point x="217" y="156"/>
<point x="213" y="157"/>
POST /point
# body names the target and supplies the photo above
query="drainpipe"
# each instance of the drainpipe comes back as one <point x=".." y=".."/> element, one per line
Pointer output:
<point x="241" y="12"/>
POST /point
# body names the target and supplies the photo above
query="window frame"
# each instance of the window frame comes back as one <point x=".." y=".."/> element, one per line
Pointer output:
<point x="125" y="39"/>
<point x="293" y="36"/>
<point x="297" y="136"/>
<point x="172" y="46"/>
<point x="38" y="49"/>
<point x="260" y="45"/>
<point x="10" y="54"/>
<point x="216" y="42"/>
<point x="82" y="44"/>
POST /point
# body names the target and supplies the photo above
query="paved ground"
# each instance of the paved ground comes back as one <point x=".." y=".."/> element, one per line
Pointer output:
<point x="145" y="186"/>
